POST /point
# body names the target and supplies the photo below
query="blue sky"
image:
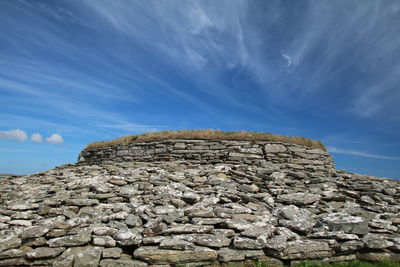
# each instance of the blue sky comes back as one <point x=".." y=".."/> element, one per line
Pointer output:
<point x="74" y="72"/>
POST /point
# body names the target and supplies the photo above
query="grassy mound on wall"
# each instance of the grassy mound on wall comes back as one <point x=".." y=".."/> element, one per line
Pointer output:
<point x="208" y="135"/>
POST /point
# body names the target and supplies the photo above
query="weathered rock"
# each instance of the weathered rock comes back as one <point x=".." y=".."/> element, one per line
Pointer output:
<point x="114" y="253"/>
<point x="346" y="223"/>
<point x="228" y="255"/>
<point x="176" y="243"/>
<point x="12" y="253"/>
<point x="35" y="231"/>
<point x="298" y="199"/>
<point x="127" y="237"/>
<point x="20" y="223"/>
<point x="338" y="235"/>
<point x="9" y="242"/>
<point x="255" y="232"/>
<point x="44" y="252"/>
<point x="378" y="256"/>
<point x="274" y="148"/>
<point x="82" y="202"/>
<point x="190" y="197"/>
<point x="88" y="257"/>
<point x="246" y="243"/>
<point x="189" y="229"/>
<point x="122" y="263"/>
<point x="348" y="246"/>
<point x="213" y="240"/>
<point x="299" y="220"/>
<point x="231" y="255"/>
<point x="376" y="241"/>
<point x="104" y="241"/>
<point x="154" y="255"/>
<point x="70" y="241"/>
<point x="304" y="249"/>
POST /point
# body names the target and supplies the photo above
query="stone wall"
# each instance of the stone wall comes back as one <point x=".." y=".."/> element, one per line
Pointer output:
<point x="293" y="157"/>
<point x="197" y="203"/>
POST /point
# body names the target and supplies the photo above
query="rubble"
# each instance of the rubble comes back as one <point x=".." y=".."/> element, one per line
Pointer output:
<point x="197" y="203"/>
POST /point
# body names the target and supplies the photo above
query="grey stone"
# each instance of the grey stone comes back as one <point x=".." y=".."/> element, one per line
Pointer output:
<point x="237" y="224"/>
<point x="82" y="202"/>
<point x="255" y="232"/>
<point x="9" y="242"/>
<point x="244" y="155"/>
<point x="246" y="243"/>
<point x="348" y="246"/>
<point x="12" y="253"/>
<point x="378" y="256"/>
<point x="126" y="237"/>
<point x="70" y="241"/>
<point x="122" y="263"/>
<point x="104" y="241"/>
<point x="189" y="229"/>
<point x="88" y="257"/>
<point x="299" y="220"/>
<point x="213" y="240"/>
<point x="190" y="197"/>
<point x="132" y="220"/>
<point x="346" y="223"/>
<point x="44" y="252"/>
<point x="103" y="230"/>
<point x="154" y="255"/>
<point x="304" y="249"/>
<point x="376" y="241"/>
<point x="176" y="243"/>
<point x="66" y="259"/>
<point x="338" y="235"/>
<point x="114" y="253"/>
<point x="298" y="199"/>
<point x="278" y="175"/>
<point x="20" y="222"/>
<point x="368" y="200"/>
<point x="229" y="255"/>
<point x="35" y="231"/>
<point x="274" y="148"/>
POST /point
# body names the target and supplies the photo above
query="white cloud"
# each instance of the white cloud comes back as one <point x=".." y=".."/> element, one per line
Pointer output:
<point x="37" y="138"/>
<point x="288" y="59"/>
<point x="14" y="134"/>
<point x="55" y="139"/>
<point x="333" y="149"/>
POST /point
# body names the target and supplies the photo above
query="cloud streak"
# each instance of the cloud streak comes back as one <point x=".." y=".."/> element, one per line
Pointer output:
<point x="333" y="149"/>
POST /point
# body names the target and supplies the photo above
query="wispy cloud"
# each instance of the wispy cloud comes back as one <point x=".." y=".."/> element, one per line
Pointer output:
<point x="288" y="59"/>
<point x="92" y="69"/>
<point x="333" y="149"/>
<point x="132" y="127"/>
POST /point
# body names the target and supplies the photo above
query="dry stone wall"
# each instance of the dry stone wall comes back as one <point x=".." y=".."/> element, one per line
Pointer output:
<point x="293" y="157"/>
<point x="115" y="209"/>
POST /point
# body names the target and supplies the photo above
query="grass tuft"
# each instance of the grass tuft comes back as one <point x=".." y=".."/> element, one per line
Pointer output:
<point x="208" y="135"/>
<point x="356" y="263"/>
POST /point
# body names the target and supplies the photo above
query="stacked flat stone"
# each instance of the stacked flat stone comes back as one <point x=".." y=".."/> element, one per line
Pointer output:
<point x="295" y="157"/>
<point x="193" y="211"/>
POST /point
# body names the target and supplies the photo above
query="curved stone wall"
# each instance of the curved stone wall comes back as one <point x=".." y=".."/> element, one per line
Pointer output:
<point x="197" y="203"/>
<point x="293" y="157"/>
